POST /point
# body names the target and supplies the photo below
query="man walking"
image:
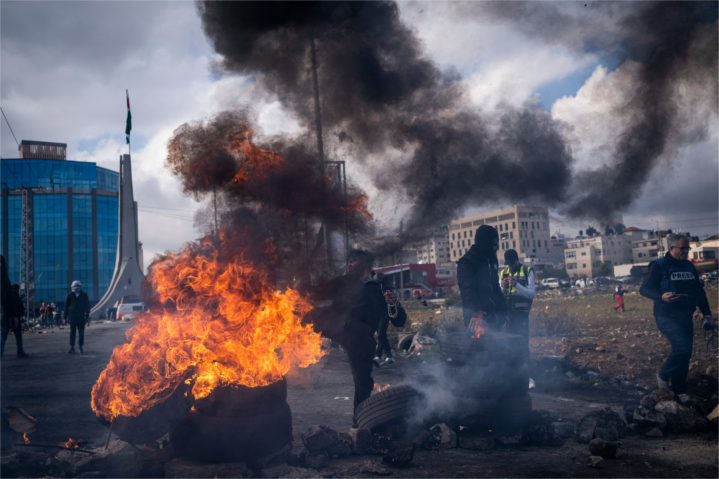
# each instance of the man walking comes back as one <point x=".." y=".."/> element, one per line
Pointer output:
<point x="619" y="295"/>
<point x="12" y="311"/>
<point x="359" y="303"/>
<point x="674" y="286"/>
<point x="77" y="309"/>
<point x="483" y="303"/>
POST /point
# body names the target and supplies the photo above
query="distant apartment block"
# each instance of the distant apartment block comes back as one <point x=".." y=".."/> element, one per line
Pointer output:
<point x="584" y="256"/>
<point x="522" y="228"/>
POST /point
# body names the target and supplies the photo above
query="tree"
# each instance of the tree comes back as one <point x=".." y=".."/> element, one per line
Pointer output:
<point x="604" y="269"/>
<point x="608" y="231"/>
<point x="619" y="228"/>
<point x="592" y="231"/>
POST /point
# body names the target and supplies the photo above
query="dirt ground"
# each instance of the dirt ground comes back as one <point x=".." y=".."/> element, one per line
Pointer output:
<point x="54" y="387"/>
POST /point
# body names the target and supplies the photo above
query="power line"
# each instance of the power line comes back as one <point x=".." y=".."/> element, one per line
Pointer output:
<point x="8" y="125"/>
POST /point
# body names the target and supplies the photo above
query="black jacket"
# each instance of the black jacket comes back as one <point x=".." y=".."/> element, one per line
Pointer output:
<point x="77" y="308"/>
<point x="651" y="288"/>
<point x="10" y="306"/>
<point x="478" y="278"/>
<point x="355" y="312"/>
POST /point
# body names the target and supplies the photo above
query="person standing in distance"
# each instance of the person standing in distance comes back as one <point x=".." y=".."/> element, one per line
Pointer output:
<point x="77" y="309"/>
<point x="674" y="286"/>
<point x="619" y="295"/>
<point x="478" y="278"/>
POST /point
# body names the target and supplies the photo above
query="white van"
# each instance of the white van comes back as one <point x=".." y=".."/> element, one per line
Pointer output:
<point x="128" y="310"/>
<point x="551" y="283"/>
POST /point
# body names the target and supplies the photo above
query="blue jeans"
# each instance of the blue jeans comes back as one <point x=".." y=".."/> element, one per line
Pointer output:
<point x="18" y="339"/>
<point x="680" y="333"/>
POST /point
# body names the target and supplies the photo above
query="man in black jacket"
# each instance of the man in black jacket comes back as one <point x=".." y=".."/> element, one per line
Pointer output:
<point x="478" y="278"/>
<point x="358" y="304"/>
<point x="12" y="311"/>
<point x="674" y="286"/>
<point x="77" y="308"/>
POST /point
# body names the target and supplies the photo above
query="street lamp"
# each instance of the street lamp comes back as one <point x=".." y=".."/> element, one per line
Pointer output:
<point x="661" y="246"/>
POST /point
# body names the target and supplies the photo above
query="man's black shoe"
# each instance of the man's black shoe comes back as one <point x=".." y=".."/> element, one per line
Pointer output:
<point x="22" y="355"/>
<point x="81" y="351"/>
<point x="72" y="350"/>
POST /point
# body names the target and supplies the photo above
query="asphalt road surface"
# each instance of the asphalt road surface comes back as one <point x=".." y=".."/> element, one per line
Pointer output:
<point x="54" y="387"/>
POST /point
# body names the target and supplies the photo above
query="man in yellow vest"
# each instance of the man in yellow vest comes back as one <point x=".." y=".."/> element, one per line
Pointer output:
<point x="517" y="282"/>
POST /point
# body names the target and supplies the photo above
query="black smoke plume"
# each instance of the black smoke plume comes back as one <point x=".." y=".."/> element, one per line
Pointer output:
<point x="378" y="90"/>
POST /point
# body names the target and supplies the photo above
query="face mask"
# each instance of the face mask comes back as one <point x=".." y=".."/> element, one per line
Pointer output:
<point x="76" y="289"/>
<point x="495" y="244"/>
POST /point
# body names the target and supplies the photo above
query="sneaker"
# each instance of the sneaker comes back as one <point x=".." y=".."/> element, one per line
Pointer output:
<point x="662" y="383"/>
<point x="388" y="362"/>
<point x="22" y="355"/>
<point x="72" y="350"/>
<point x="375" y="361"/>
<point x="532" y="384"/>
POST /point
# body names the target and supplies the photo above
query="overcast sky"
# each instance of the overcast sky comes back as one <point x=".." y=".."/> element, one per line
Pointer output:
<point x="66" y="65"/>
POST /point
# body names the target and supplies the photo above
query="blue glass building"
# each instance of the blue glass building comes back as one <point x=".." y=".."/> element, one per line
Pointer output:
<point x="74" y="221"/>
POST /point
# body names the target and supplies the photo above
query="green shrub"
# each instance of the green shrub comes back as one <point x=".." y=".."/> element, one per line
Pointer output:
<point x="454" y="299"/>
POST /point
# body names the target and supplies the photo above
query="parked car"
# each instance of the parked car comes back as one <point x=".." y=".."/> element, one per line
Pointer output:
<point x="565" y="283"/>
<point x="127" y="311"/>
<point x="583" y="283"/>
<point x="551" y="282"/>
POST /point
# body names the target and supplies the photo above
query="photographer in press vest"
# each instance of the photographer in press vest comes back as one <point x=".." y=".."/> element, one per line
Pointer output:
<point x="517" y="282"/>
<point x="674" y="286"/>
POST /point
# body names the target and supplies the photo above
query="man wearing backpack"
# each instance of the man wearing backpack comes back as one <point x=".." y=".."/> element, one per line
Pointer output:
<point x="674" y="286"/>
<point x="359" y="303"/>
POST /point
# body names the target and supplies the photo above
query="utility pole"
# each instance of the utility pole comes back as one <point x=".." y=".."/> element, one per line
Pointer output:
<point x="217" y="230"/>
<point x="318" y="127"/>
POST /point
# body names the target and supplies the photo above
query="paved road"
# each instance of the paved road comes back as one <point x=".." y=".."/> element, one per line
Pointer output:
<point x="54" y="386"/>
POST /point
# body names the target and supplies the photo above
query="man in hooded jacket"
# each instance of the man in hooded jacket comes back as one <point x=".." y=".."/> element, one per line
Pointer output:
<point x="478" y="278"/>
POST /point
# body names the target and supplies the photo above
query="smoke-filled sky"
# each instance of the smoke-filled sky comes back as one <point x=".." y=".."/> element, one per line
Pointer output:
<point x="593" y="109"/>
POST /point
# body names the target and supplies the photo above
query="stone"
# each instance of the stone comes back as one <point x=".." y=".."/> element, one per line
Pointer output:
<point x="342" y="448"/>
<point x="541" y="431"/>
<point x="664" y="395"/>
<point x="420" y="342"/>
<point x="419" y="441"/>
<point x="179" y="468"/>
<point x="288" y="471"/>
<point x="297" y="457"/>
<point x="449" y="437"/>
<point x="606" y="419"/>
<point x="684" y="400"/>
<point x="518" y="438"/>
<point x="654" y="432"/>
<point x="319" y="438"/>
<point x="474" y="441"/>
<point x="595" y="461"/>
<point x="120" y="459"/>
<point x="649" y="418"/>
<point x="361" y="440"/>
<point x="381" y="445"/>
<point x="681" y="419"/>
<point x="606" y="433"/>
<point x="564" y="430"/>
<point x="31" y="464"/>
<point x="371" y="467"/>
<point x="400" y="457"/>
<point x="434" y="439"/>
<point x="605" y="449"/>
<point x="317" y="459"/>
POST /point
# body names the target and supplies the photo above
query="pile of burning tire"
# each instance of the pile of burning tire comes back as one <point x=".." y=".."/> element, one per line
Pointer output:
<point x="486" y="377"/>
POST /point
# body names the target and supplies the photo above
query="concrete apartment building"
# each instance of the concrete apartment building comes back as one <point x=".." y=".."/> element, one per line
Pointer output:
<point x="584" y="256"/>
<point x="523" y="228"/>
<point x="435" y="249"/>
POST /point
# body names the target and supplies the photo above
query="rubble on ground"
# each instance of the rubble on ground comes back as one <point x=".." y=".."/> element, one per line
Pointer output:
<point x="605" y="449"/>
<point x="606" y="424"/>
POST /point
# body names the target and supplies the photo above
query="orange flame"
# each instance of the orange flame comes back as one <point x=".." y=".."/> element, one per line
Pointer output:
<point x="476" y="327"/>
<point x="25" y="438"/>
<point x="70" y="444"/>
<point x="215" y="322"/>
<point x="358" y="204"/>
<point x="379" y="389"/>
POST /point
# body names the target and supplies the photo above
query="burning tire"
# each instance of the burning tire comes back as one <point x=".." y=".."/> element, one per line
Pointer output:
<point x="493" y="379"/>
<point x="239" y="401"/>
<point x="501" y="415"/>
<point x="459" y="348"/>
<point x="227" y="439"/>
<point x="389" y="407"/>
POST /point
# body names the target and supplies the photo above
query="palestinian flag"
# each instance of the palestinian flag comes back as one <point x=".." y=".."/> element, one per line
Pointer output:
<point x="128" y="125"/>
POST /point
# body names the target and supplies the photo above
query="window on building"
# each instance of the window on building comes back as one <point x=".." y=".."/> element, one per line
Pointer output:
<point x="571" y="265"/>
<point x="500" y="227"/>
<point x="452" y="236"/>
<point x="513" y="226"/>
<point x="470" y="233"/>
<point x="571" y="254"/>
<point x="454" y="252"/>
<point x="465" y="234"/>
<point x="546" y="244"/>
<point x="709" y="254"/>
<point x="514" y="244"/>
<point x="584" y="253"/>
<point x="506" y="226"/>
<point x="584" y="265"/>
<point x="511" y="234"/>
<point x="532" y="234"/>
<point x="545" y="225"/>
<point x="532" y="224"/>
